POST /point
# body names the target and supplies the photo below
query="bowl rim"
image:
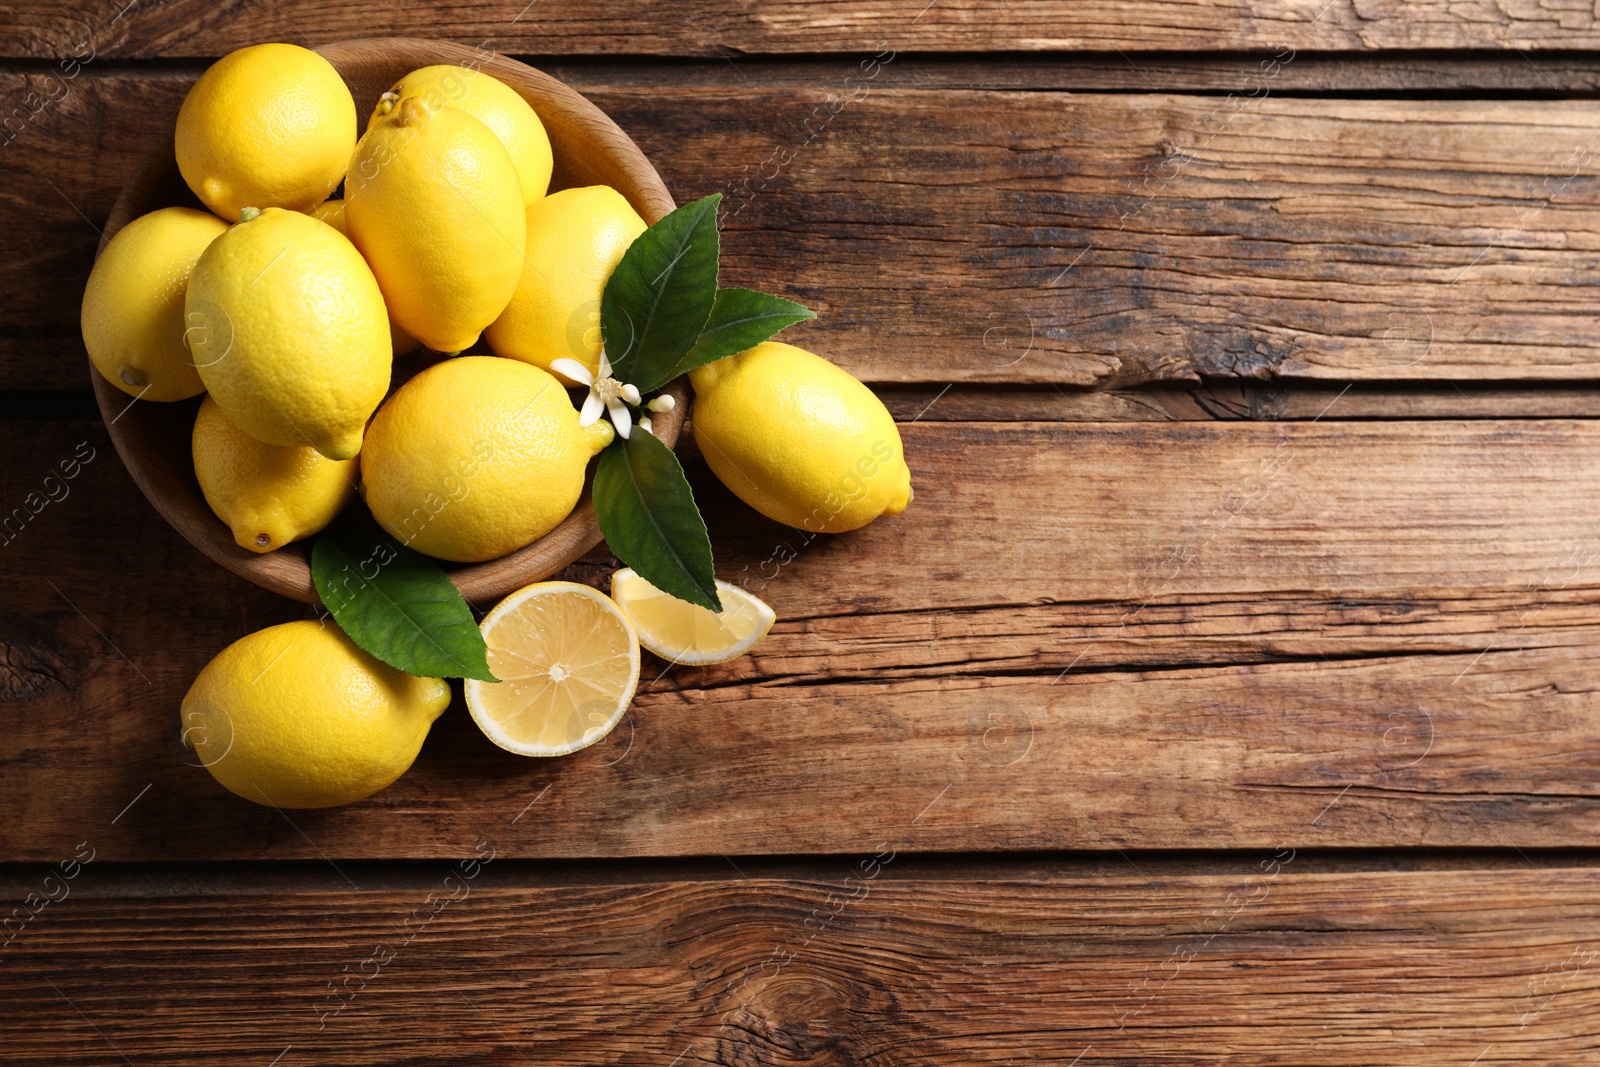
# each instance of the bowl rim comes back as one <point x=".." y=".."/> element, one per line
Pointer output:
<point x="287" y="570"/>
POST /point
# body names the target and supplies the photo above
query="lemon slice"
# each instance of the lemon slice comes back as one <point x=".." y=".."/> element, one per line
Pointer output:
<point x="684" y="633"/>
<point x="568" y="663"/>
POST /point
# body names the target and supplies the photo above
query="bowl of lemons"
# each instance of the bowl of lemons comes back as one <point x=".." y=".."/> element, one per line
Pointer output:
<point x="369" y="274"/>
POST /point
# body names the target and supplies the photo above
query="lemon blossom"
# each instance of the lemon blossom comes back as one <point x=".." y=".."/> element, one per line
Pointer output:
<point x="605" y="394"/>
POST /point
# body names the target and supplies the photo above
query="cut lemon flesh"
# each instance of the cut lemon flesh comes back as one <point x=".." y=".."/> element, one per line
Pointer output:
<point x="568" y="663"/>
<point x="684" y="633"/>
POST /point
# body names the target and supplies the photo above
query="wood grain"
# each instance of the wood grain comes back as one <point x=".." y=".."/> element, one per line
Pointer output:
<point x="1267" y="959"/>
<point x="1481" y="74"/>
<point x="1090" y="636"/>
<point x="1096" y="240"/>
<point x="731" y="27"/>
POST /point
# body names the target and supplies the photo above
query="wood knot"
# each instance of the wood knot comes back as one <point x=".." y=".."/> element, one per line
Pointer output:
<point x="27" y="672"/>
<point x="805" y="1014"/>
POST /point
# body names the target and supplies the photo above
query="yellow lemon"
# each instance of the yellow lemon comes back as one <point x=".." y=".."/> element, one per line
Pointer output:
<point x="332" y="212"/>
<point x="680" y="632"/>
<point x="434" y="204"/>
<point x="289" y="331"/>
<point x="568" y="664"/>
<point x="296" y="716"/>
<point x="272" y="125"/>
<point x="268" y="495"/>
<point x="133" y="305"/>
<point x="490" y="101"/>
<point x="476" y="457"/>
<point x="576" y="238"/>
<point x="798" y="439"/>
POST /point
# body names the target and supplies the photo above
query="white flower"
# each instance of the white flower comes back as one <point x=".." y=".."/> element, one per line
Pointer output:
<point x="605" y="393"/>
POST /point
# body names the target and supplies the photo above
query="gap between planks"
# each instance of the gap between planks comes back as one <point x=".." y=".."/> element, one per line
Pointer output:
<point x="120" y="880"/>
<point x="1214" y="400"/>
<point x="1385" y="75"/>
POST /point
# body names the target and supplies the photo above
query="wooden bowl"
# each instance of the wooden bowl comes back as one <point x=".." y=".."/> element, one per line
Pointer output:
<point x="153" y="438"/>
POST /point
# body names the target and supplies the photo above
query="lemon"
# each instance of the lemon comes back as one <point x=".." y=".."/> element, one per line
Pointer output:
<point x="798" y="439"/>
<point x="687" y="633"/>
<point x="268" y="495"/>
<point x="568" y="663"/>
<point x="434" y="203"/>
<point x="476" y="457"/>
<point x="133" y="305"/>
<point x="272" y="125"/>
<point x="289" y="331"/>
<point x="576" y="238"/>
<point x="490" y="101"/>
<point x="332" y="212"/>
<point x="297" y="716"/>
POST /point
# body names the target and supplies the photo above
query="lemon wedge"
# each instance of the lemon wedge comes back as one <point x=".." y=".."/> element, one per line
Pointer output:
<point x="568" y="663"/>
<point x="687" y="634"/>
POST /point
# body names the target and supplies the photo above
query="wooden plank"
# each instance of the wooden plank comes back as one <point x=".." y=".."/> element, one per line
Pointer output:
<point x="1081" y="636"/>
<point x="1096" y="240"/>
<point x="1416" y="75"/>
<point x="1268" y="960"/>
<point x="1133" y="238"/>
<point x="193" y="28"/>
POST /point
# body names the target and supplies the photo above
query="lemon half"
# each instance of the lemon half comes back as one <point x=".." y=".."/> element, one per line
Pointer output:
<point x="685" y="633"/>
<point x="568" y="663"/>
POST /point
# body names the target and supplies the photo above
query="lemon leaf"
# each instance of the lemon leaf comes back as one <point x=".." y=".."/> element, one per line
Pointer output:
<point x="398" y="605"/>
<point x="648" y="516"/>
<point x="740" y="319"/>
<point x="659" y="297"/>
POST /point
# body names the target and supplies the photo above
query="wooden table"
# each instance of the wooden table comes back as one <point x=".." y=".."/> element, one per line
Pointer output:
<point x="1228" y="695"/>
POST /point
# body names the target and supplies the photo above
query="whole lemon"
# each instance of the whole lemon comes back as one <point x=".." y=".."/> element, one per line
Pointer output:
<point x="434" y="204"/>
<point x="799" y="440"/>
<point x="332" y="212"/>
<point x="289" y="331"/>
<point x="576" y="238"/>
<point x="268" y="495"/>
<point x="490" y="101"/>
<point x="133" y="305"/>
<point x="476" y="457"/>
<point x="271" y="125"/>
<point x="296" y="716"/>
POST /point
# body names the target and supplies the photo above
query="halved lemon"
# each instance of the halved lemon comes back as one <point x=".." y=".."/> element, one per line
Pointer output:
<point x="568" y="663"/>
<point x="684" y="633"/>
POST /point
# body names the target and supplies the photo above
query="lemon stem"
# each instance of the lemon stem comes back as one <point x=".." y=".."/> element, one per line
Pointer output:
<point x="249" y="213"/>
<point x="413" y="111"/>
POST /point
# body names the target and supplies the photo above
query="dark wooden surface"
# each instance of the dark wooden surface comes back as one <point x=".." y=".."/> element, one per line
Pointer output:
<point x="1247" y="367"/>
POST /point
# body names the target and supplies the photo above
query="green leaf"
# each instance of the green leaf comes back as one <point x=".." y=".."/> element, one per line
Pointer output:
<point x="648" y="517"/>
<point x="659" y="297"/>
<point x="740" y="319"/>
<point x="398" y="605"/>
